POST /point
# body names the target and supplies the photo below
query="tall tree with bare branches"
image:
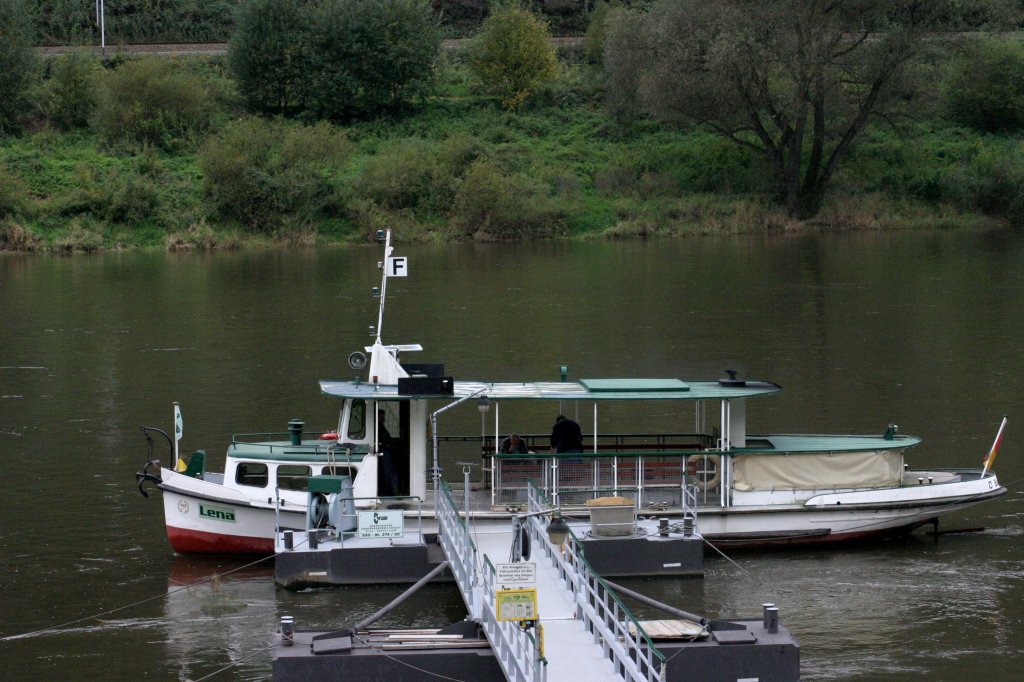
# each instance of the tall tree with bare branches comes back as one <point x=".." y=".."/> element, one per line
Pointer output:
<point x="794" y="80"/>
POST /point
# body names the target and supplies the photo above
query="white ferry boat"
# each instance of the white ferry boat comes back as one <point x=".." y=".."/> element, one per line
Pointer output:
<point x="745" y="488"/>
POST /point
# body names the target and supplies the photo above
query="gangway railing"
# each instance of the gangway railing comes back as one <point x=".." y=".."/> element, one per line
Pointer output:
<point x="516" y="650"/>
<point x="630" y="649"/>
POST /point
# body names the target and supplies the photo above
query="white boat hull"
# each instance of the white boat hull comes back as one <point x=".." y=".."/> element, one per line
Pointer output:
<point x="208" y="518"/>
<point x="843" y="516"/>
<point x="204" y="517"/>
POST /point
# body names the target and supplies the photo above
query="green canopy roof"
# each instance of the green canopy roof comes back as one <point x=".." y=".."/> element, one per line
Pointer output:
<point x="586" y="389"/>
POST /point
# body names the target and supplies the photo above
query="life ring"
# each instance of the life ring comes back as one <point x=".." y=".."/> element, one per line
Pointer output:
<point x="693" y="462"/>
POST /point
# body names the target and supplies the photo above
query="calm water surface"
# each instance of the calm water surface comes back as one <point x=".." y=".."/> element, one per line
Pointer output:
<point x="921" y="329"/>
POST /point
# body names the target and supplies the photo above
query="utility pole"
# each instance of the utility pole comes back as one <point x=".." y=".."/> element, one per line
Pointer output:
<point x="101" y="22"/>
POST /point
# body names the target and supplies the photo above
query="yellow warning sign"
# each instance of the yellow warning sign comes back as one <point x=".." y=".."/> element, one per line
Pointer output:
<point x="516" y="604"/>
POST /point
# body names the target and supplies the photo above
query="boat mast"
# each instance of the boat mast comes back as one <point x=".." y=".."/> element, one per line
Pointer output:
<point x="383" y="280"/>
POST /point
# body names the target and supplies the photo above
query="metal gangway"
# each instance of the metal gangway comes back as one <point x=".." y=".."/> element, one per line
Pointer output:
<point x="588" y="633"/>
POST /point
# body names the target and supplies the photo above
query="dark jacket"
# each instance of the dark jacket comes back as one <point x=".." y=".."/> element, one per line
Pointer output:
<point x="566" y="436"/>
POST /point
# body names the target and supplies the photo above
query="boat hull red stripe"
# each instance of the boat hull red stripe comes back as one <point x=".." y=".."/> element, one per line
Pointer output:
<point x="186" y="541"/>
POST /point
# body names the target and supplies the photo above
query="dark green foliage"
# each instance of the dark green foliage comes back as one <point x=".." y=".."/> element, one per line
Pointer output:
<point x="337" y="60"/>
<point x="69" y="94"/>
<point x="18" y="62"/>
<point x="371" y="55"/>
<point x="73" y="22"/>
<point x="986" y="89"/>
<point x="274" y="176"/>
<point x="269" y="56"/>
<point x="149" y="100"/>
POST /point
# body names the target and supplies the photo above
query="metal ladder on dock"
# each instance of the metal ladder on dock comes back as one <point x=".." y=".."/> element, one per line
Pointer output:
<point x="589" y="633"/>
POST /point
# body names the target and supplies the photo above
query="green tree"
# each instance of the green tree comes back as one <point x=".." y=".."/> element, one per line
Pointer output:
<point x="512" y="54"/>
<point x="268" y="54"/>
<point x="18" y="61"/>
<point x="794" y="80"/>
<point x="370" y="55"/>
<point x="986" y="89"/>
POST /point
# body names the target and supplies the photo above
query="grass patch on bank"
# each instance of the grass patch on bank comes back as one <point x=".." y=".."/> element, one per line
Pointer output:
<point x="457" y="166"/>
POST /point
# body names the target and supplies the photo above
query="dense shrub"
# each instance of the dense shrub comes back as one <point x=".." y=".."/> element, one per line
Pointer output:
<point x="512" y="55"/>
<point x="990" y="181"/>
<point x="491" y="203"/>
<point x="18" y="62"/>
<point x="69" y="94"/>
<point x="273" y="176"/>
<point x="16" y="237"/>
<point x="986" y="89"/>
<point x="149" y="100"/>
<point x="133" y="198"/>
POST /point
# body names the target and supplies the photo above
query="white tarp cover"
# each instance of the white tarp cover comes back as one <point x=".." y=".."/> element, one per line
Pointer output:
<point x="878" y="469"/>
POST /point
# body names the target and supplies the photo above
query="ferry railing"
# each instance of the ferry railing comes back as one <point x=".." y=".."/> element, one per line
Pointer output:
<point x="464" y="448"/>
<point x="605" y="617"/>
<point x="654" y="479"/>
<point x="517" y="651"/>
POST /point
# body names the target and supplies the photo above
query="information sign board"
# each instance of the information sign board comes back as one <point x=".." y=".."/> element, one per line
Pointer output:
<point x="382" y="524"/>
<point x="516" y="604"/>
<point x="514" y="575"/>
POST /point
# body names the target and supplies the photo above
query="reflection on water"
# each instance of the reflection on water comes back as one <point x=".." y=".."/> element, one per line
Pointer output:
<point x="919" y="329"/>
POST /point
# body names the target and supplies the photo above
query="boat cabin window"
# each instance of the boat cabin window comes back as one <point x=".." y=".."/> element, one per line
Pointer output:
<point x="292" y="477"/>
<point x="357" y="421"/>
<point x="252" y="473"/>
<point x="339" y="471"/>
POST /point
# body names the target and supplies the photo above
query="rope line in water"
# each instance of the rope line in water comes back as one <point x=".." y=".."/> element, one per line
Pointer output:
<point x="233" y="664"/>
<point x="213" y="577"/>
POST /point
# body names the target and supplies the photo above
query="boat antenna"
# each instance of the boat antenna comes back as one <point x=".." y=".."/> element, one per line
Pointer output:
<point x="386" y="235"/>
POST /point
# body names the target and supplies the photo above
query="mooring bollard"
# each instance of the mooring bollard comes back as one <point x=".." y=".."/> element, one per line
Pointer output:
<point x="688" y="526"/>
<point x="663" y="527"/>
<point x="772" y="616"/>
<point x="764" y="614"/>
<point x="314" y="539"/>
<point x="287" y="629"/>
<point x="289" y="541"/>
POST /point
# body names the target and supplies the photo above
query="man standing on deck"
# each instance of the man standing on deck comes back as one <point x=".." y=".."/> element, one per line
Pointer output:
<point x="566" y="435"/>
<point x="387" y="463"/>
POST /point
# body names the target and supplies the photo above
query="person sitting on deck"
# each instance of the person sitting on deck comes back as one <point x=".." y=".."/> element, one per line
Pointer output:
<point x="514" y="445"/>
<point x="566" y="435"/>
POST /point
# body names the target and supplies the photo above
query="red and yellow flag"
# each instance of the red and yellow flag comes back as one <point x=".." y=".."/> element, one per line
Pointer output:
<point x="991" y="456"/>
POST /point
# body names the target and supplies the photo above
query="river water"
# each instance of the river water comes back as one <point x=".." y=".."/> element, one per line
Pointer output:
<point x="918" y="328"/>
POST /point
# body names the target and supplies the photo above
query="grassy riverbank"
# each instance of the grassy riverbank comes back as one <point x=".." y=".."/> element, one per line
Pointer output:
<point x="458" y="166"/>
